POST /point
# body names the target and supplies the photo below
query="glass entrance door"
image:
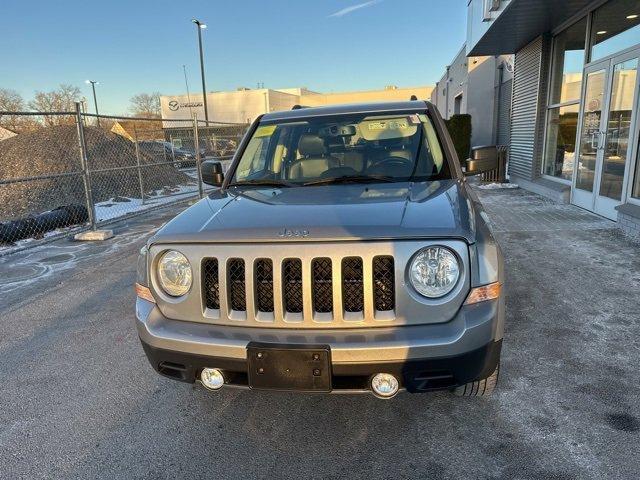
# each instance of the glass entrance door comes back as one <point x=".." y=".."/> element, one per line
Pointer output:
<point x="606" y="126"/>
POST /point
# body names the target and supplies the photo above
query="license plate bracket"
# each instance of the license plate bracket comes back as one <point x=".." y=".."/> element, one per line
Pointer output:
<point x="304" y="368"/>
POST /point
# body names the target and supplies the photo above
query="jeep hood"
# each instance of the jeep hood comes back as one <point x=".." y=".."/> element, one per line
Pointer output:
<point x="325" y="213"/>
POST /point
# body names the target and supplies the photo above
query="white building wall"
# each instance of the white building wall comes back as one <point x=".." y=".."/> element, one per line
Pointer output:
<point x="479" y="19"/>
<point x="475" y="81"/>
<point x="243" y="106"/>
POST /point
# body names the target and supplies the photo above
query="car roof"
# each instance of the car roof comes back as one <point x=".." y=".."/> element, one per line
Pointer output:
<point x="379" y="107"/>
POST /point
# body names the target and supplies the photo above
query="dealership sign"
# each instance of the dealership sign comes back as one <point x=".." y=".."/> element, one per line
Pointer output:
<point x="174" y="105"/>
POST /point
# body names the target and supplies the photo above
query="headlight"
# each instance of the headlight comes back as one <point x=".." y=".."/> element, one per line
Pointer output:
<point x="174" y="273"/>
<point x="434" y="271"/>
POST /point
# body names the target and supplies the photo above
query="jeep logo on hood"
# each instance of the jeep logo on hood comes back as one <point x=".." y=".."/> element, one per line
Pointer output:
<point x="287" y="233"/>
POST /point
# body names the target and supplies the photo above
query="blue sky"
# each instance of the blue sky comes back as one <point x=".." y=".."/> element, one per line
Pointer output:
<point x="134" y="46"/>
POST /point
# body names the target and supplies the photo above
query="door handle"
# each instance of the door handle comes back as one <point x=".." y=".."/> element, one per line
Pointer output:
<point x="601" y="140"/>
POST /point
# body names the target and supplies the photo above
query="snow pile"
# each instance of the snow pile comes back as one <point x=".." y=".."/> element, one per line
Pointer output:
<point x="498" y="186"/>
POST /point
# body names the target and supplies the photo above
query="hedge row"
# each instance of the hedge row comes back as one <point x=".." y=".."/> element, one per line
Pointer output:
<point x="459" y="127"/>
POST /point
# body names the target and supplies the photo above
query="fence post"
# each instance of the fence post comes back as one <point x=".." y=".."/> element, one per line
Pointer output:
<point x="135" y="142"/>
<point x="86" y="176"/>
<point x="196" y="146"/>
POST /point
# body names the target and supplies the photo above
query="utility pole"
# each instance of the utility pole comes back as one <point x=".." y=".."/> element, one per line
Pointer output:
<point x="201" y="26"/>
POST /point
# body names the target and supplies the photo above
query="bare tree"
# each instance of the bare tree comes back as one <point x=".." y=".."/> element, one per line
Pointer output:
<point x="146" y="105"/>
<point x="12" y="101"/>
<point x="60" y="100"/>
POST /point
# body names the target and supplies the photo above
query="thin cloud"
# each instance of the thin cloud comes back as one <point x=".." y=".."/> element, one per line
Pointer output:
<point x="353" y="8"/>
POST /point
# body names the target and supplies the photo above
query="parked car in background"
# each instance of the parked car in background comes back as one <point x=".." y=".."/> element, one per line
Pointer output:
<point x="166" y="151"/>
<point x="223" y="147"/>
<point x="344" y="252"/>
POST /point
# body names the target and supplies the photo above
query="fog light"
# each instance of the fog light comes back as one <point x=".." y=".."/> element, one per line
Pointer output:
<point x="384" y="385"/>
<point x="212" y="378"/>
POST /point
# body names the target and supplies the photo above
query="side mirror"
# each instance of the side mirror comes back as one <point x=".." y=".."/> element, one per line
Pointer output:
<point x="483" y="159"/>
<point x="212" y="173"/>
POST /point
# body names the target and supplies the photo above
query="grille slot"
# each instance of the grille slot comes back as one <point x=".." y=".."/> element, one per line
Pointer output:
<point x="237" y="287"/>
<point x="292" y="285"/>
<point x="352" y="284"/>
<point x="383" y="283"/>
<point x="211" y="283"/>
<point x="264" y="285"/>
<point x="322" y="285"/>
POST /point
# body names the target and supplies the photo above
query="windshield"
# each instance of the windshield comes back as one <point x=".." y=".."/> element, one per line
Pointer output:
<point x="344" y="148"/>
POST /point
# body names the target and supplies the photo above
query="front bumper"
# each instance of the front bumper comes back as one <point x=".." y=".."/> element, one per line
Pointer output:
<point x="423" y="357"/>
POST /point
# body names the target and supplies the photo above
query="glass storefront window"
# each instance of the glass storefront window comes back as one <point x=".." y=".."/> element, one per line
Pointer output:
<point x="590" y="131"/>
<point x="560" y="148"/>
<point x="618" y="128"/>
<point x="564" y="101"/>
<point x="615" y="27"/>
<point x="567" y="63"/>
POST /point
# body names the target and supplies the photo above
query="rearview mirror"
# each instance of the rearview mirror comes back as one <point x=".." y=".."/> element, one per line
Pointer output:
<point x="483" y="159"/>
<point x="212" y="173"/>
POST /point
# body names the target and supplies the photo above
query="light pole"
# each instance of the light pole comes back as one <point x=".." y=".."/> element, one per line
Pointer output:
<point x="95" y="100"/>
<point x="200" y="26"/>
<point x="186" y="84"/>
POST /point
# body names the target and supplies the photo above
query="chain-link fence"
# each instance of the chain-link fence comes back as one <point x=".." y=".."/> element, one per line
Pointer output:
<point x="61" y="172"/>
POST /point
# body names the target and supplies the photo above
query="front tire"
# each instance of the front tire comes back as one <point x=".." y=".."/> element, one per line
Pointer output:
<point x="479" y="388"/>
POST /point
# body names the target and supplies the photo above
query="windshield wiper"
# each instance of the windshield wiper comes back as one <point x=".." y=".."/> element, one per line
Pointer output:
<point x="264" y="182"/>
<point x="352" y="179"/>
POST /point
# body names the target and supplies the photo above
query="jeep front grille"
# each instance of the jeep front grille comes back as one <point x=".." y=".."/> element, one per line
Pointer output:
<point x="237" y="285"/>
<point x="383" y="283"/>
<point x="294" y="290"/>
<point x="264" y="285"/>
<point x="210" y="283"/>
<point x="292" y="285"/>
<point x="352" y="284"/>
<point x="322" y="285"/>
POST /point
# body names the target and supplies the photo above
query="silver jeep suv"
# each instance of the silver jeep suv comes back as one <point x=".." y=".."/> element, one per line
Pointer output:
<point x="343" y="252"/>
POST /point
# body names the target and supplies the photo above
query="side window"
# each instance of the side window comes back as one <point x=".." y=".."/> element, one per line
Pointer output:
<point x="432" y="151"/>
<point x="255" y="156"/>
<point x="282" y="148"/>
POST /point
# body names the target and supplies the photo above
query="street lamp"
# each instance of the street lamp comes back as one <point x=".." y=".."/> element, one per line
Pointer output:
<point x="95" y="100"/>
<point x="201" y="26"/>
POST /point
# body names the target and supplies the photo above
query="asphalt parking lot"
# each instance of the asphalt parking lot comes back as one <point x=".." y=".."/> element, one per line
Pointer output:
<point x="79" y="399"/>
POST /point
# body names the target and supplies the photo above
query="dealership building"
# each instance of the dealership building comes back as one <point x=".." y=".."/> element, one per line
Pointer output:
<point x="574" y="133"/>
<point x="481" y="88"/>
<point x="244" y="104"/>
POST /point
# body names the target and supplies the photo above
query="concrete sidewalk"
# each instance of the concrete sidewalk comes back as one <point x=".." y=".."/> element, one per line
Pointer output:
<point x="79" y="399"/>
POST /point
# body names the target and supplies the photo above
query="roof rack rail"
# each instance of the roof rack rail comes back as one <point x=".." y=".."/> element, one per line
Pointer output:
<point x="298" y="107"/>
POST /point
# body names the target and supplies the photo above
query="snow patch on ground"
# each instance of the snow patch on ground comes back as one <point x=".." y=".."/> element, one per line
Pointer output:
<point x="121" y="206"/>
<point x="25" y="242"/>
<point x="497" y="186"/>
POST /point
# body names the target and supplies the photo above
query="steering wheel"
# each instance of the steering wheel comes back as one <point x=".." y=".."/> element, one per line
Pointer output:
<point x="397" y="166"/>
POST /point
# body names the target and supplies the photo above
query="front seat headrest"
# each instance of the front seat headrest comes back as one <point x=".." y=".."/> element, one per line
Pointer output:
<point x="311" y="146"/>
